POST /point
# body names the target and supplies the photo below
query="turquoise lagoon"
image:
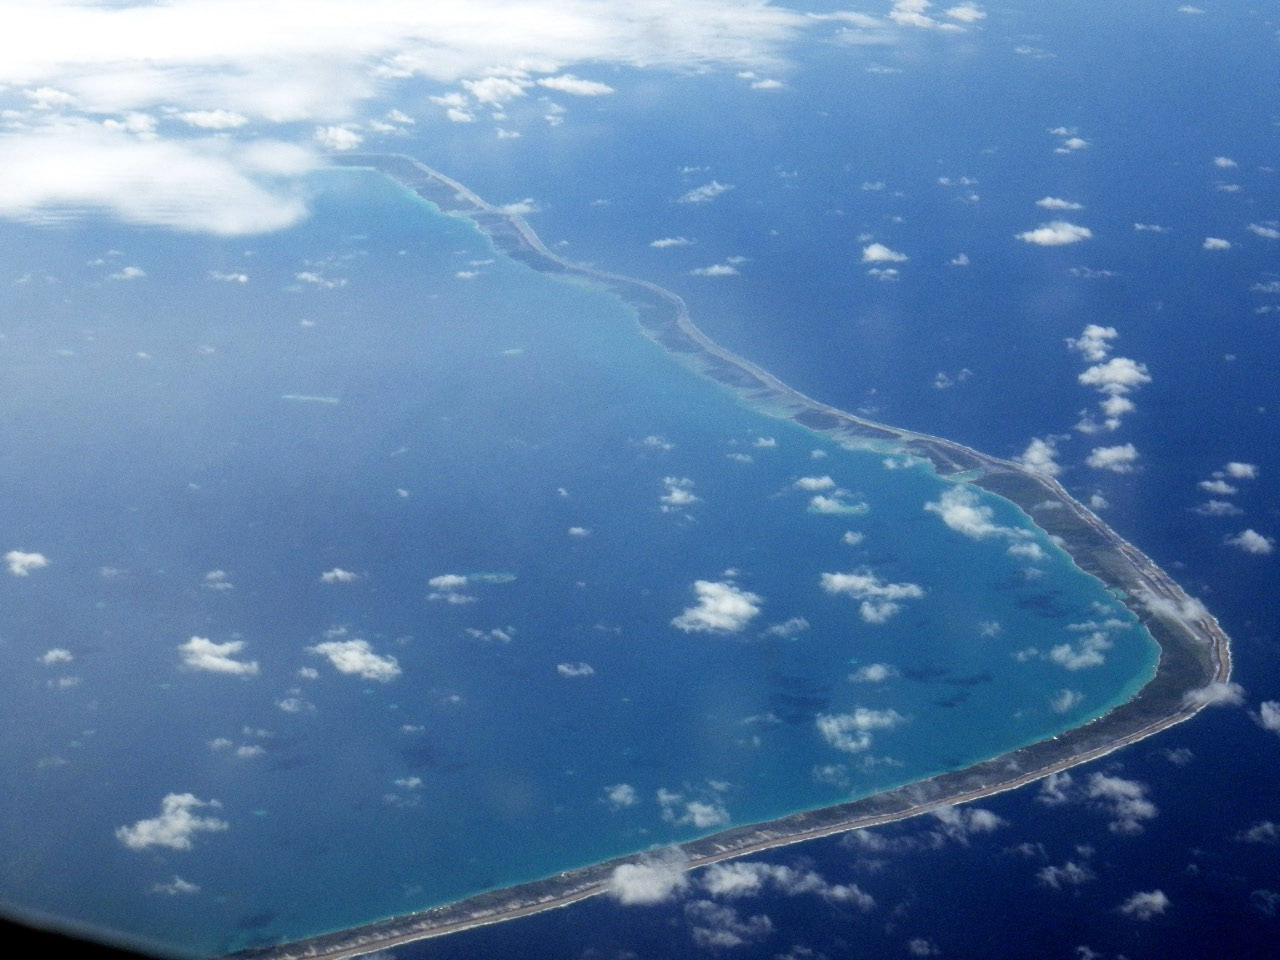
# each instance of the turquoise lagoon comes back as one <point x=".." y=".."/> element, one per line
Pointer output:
<point x="384" y="394"/>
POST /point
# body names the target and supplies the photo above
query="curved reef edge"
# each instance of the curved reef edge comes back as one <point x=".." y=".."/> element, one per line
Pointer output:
<point x="1194" y="650"/>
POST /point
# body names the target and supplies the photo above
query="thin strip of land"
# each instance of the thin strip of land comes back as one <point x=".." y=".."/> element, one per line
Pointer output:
<point x="1194" y="650"/>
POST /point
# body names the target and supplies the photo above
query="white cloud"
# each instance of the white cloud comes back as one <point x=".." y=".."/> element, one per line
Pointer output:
<point x="791" y="627"/>
<point x="873" y="673"/>
<point x="714" y="926"/>
<point x="879" y="599"/>
<point x="1065" y="700"/>
<point x="1218" y="508"/>
<point x="213" y="119"/>
<point x="228" y="277"/>
<point x="1094" y="342"/>
<point x="721" y="608"/>
<point x="575" y="669"/>
<point x="21" y="563"/>
<point x="1271" y="233"/>
<point x="56" y="655"/>
<point x="338" y="138"/>
<point x="1057" y="203"/>
<point x="1086" y="652"/>
<point x="448" y="587"/>
<point x="1268" y="715"/>
<point x="961" y="510"/>
<point x="579" y="531"/>
<point x="200" y="653"/>
<point x="621" y="795"/>
<point x="1055" y="234"/>
<point x="851" y="538"/>
<point x="851" y="732"/>
<point x="1250" y="541"/>
<point x="1118" y="459"/>
<point x="1144" y="906"/>
<point x="666" y="242"/>
<point x="1220" y="487"/>
<point x="706" y="193"/>
<point x="1150" y="228"/>
<point x="678" y="493"/>
<point x="211" y="185"/>
<point x="1216" y="243"/>
<point x="738" y="879"/>
<point x="1124" y="801"/>
<point x="715" y="270"/>
<point x="568" y="83"/>
<point x="1216" y="694"/>
<point x="815" y="483"/>
<point x="338" y="575"/>
<point x="175" y="887"/>
<point x="175" y="826"/>
<point x="1225" y="163"/>
<point x="128" y="273"/>
<point x="879" y="253"/>
<point x="357" y="657"/>
<point x="1039" y="457"/>
<point x="821" y="503"/>
<point x="1070" y="874"/>
<point x="648" y="882"/>
<point x="1264" y="831"/>
<point x="1241" y="471"/>
<point x="966" y="13"/>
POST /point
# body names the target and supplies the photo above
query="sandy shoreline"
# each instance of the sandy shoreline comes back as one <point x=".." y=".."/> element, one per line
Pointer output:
<point x="1195" y="652"/>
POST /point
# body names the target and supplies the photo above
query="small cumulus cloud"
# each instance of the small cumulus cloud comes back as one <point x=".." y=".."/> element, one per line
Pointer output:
<point x="679" y="493"/>
<point x="1145" y="905"/>
<point x="879" y="253"/>
<point x="1216" y="243"/>
<point x="1057" y="203"/>
<point x="447" y="587"/>
<point x="356" y="657"/>
<point x="706" y="193"/>
<point x="721" y="608"/>
<point x="1216" y="694"/>
<point x="575" y="670"/>
<point x="1089" y="651"/>
<point x="1094" y="342"/>
<point x="1268" y="716"/>
<point x="715" y="270"/>
<point x="649" y="881"/>
<point x="1039" y="457"/>
<point x="213" y="119"/>
<point x="1118" y="459"/>
<point x="880" y="600"/>
<point x="576" y="86"/>
<point x="666" y="242"/>
<point x="1250" y="541"/>
<point x="851" y="732"/>
<point x="338" y="575"/>
<point x="338" y="138"/>
<point x="1065" y="700"/>
<point x="1055" y="234"/>
<point x="201" y="653"/>
<point x="873" y="673"/>
<point x="174" y="827"/>
<point x="619" y="796"/>
<point x="176" y="887"/>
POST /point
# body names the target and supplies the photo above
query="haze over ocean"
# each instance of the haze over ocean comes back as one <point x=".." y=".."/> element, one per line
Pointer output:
<point x="198" y="430"/>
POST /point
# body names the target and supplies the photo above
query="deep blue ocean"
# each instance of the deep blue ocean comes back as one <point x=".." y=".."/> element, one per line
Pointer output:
<point x="389" y="417"/>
